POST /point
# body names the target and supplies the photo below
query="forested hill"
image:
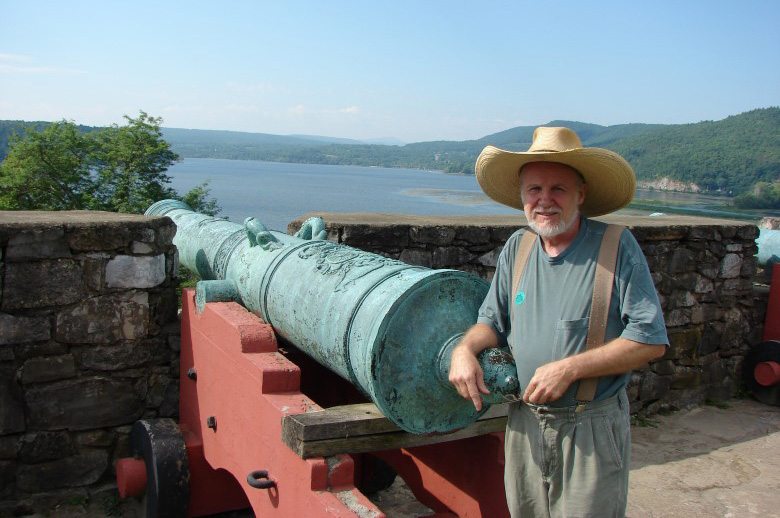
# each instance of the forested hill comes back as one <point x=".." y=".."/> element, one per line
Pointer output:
<point x="729" y="156"/>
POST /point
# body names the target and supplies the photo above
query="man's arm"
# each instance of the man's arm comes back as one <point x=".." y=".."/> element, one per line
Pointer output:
<point x="465" y="372"/>
<point x="550" y="381"/>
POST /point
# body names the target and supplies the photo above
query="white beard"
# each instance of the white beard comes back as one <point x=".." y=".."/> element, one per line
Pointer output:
<point x="553" y="230"/>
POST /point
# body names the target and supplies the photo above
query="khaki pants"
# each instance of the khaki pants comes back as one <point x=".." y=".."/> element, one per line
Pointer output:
<point x="561" y="463"/>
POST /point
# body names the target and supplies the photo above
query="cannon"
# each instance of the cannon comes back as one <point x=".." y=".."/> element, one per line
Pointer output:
<point x="248" y="436"/>
<point x="385" y="326"/>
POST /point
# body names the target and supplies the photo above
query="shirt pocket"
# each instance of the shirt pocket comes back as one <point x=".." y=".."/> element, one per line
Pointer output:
<point x="570" y="337"/>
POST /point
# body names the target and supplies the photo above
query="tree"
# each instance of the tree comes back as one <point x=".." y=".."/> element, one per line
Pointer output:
<point x="120" y="169"/>
<point x="765" y="195"/>
<point x="48" y="169"/>
<point x="130" y="165"/>
<point x="197" y="199"/>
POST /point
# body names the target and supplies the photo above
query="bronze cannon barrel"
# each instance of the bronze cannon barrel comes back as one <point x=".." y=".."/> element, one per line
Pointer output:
<point x="386" y="326"/>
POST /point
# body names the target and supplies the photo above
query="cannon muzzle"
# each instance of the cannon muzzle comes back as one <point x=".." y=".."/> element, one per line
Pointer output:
<point x="385" y="326"/>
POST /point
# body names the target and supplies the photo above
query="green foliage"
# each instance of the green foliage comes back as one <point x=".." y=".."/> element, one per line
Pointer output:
<point x="197" y="199"/>
<point x="765" y="196"/>
<point x="63" y="167"/>
<point x="130" y="164"/>
<point x="50" y="169"/>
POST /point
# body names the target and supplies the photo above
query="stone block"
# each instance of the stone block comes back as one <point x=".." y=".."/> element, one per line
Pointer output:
<point x="169" y="407"/>
<point x="682" y="261"/>
<point x="417" y="256"/>
<point x="100" y="236"/>
<point x="703" y="285"/>
<point x="82" y="469"/>
<point x="18" y="329"/>
<point x="164" y="235"/>
<point x="7" y="485"/>
<point x="32" y="350"/>
<point x="704" y="313"/>
<point x="104" y="320"/>
<point x="491" y="258"/>
<point x="95" y="273"/>
<point x="686" y="378"/>
<point x="41" y="284"/>
<point x="141" y="248"/>
<point x="703" y="233"/>
<point x="11" y="404"/>
<point x="9" y="446"/>
<point x="44" y="243"/>
<point x="730" y="266"/>
<point x="123" y="356"/>
<point x="663" y="367"/>
<point x="451" y="257"/>
<point x="439" y="236"/>
<point x="96" y="438"/>
<point x="653" y="387"/>
<point x="501" y="234"/>
<point x="130" y="271"/>
<point x="51" y="368"/>
<point x="473" y="235"/>
<point x="683" y="343"/>
<point x="678" y="317"/>
<point x="370" y="237"/>
<point x="748" y="232"/>
<point x="158" y="387"/>
<point x="682" y="299"/>
<point x="749" y="267"/>
<point x="44" y="446"/>
<point x="83" y="404"/>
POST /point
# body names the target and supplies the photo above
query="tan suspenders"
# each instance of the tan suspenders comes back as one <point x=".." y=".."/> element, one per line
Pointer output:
<point x="602" y="293"/>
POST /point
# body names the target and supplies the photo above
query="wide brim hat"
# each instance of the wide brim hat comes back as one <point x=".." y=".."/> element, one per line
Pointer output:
<point x="611" y="181"/>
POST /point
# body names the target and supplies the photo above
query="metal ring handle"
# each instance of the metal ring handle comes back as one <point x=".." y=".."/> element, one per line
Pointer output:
<point x="259" y="479"/>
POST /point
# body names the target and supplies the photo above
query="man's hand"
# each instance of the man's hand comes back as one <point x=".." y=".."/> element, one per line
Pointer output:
<point x="465" y="371"/>
<point x="550" y="382"/>
<point x="467" y="376"/>
<point x="621" y="355"/>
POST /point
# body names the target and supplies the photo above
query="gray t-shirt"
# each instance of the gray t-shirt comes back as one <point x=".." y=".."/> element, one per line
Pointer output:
<point x="552" y="306"/>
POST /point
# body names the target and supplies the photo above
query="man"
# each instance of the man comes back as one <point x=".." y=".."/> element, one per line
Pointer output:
<point x="564" y="457"/>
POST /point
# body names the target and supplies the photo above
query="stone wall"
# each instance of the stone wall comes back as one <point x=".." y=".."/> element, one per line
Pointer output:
<point x="89" y="335"/>
<point x="88" y="345"/>
<point x="702" y="268"/>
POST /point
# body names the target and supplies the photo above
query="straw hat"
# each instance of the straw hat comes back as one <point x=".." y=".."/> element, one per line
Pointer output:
<point x="611" y="181"/>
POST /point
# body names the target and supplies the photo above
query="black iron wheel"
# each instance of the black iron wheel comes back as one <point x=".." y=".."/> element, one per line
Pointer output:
<point x="160" y="444"/>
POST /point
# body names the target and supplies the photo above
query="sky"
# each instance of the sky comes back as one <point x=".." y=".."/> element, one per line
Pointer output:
<point x="411" y="70"/>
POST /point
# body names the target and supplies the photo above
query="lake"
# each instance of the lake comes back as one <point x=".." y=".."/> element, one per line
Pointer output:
<point x="277" y="193"/>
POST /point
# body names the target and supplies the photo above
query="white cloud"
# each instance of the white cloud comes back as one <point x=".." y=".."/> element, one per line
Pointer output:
<point x="298" y="110"/>
<point x="16" y="58"/>
<point x="18" y="64"/>
<point x="352" y="110"/>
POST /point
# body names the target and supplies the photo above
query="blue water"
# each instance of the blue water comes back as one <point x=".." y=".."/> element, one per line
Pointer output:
<point x="277" y="193"/>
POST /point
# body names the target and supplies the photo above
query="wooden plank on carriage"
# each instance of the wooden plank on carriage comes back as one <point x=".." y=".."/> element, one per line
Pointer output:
<point x="363" y="428"/>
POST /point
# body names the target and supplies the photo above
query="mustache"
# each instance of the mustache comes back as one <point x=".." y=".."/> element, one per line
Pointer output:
<point x="550" y="210"/>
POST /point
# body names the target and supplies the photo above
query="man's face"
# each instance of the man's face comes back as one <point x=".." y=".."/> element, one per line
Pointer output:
<point x="551" y="194"/>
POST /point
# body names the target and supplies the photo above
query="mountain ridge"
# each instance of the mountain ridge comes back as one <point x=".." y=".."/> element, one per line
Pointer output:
<point x="726" y="156"/>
